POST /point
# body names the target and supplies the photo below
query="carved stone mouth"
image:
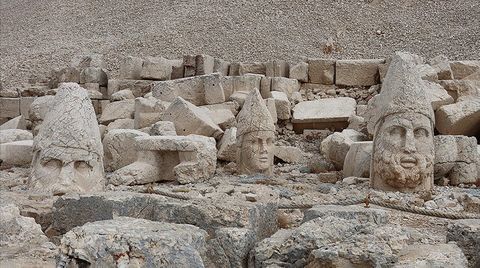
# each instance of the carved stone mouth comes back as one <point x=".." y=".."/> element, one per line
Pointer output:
<point x="263" y="159"/>
<point x="408" y="162"/>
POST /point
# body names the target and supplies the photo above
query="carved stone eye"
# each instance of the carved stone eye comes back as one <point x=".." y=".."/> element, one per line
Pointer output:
<point x="397" y="131"/>
<point x="82" y="166"/>
<point x="420" y="132"/>
<point x="53" y="163"/>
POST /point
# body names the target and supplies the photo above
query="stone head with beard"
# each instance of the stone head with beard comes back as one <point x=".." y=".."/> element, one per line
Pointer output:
<point x="68" y="152"/>
<point x="402" y="122"/>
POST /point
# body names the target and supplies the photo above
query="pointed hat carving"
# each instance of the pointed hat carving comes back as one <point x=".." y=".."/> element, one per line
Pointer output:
<point x="254" y="115"/>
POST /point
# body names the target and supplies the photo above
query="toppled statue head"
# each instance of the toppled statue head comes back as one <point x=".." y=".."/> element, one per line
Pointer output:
<point x="255" y="137"/>
<point x="402" y="123"/>
<point x="68" y="152"/>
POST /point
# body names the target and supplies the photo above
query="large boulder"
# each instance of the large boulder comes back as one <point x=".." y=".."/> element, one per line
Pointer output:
<point x="461" y="118"/>
<point x="357" y="159"/>
<point x="16" y="153"/>
<point x="336" y="146"/>
<point x="118" y="110"/>
<point x="148" y="111"/>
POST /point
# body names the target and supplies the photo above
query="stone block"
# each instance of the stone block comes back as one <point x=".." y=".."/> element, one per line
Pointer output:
<point x="239" y="97"/>
<point x="156" y="68"/>
<point x="14" y="123"/>
<point x="189" y="65"/>
<point x="272" y="108"/>
<point x="288" y="154"/>
<point x="131" y="68"/>
<point x="81" y="61"/>
<point x="252" y="68"/>
<point x="442" y="67"/>
<point x="462" y="69"/>
<point x="11" y="135"/>
<point x="229" y="105"/>
<point x="461" y="118"/>
<point x="357" y="72"/>
<point x="234" y="244"/>
<point x="94" y="75"/>
<point x="139" y="88"/>
<point x="25" y="103"/>
<point x="213" y="89"/>
<point x="177" y="68"/>
<point x="204" y="64"/>
<point x="266" y="87"/>
<point x="122" y="123"/>
<point x="221" y="66"/>
<point x="38" y="110"/>
<point x="282" y="105"/>
<point x="123" y="94"/>
<point x="285" y="85"/>
<point x="322" y="114"/>
<point x="462" y="89"/>
<point x="277" y="68"/>
<point x="299" y="71"/>
<point x="336" y="146"/>
<point x="17" y="153"/>
<point x="9" y="107"/>
<point x="118" y="110"/>
<point x="163" y="128"/>
<point x="234" y="69"/>
<point x="359" y="213"/>
<point x="438" y="95"/>
<point x="438" y="255"/>
<point x="148" y="111"/>
<point x="475" y="76"/>
<point x="357" y="159"/>
<point x="119" y="148"/>
<point x="223" y="118"/>
<point x="190" y="119"/>
<point x="227" y="148"/>
<point x="466" y="233"/>
<point x="321" y="71"/>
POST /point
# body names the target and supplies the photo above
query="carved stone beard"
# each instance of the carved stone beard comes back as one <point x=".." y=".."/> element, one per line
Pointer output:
<point x="387" y="166"/>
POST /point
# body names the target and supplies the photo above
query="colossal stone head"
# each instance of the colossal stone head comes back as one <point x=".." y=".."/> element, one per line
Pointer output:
<point x="68" y="152"/>
<point x="402" y="122"/>
<point x="255" y="137"/>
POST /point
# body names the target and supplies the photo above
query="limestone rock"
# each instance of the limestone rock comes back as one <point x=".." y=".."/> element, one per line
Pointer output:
<point x="462" y="89"/>
<point x="323" y="113"/>
<point x="299" y="71"/>
<point x="461" y="118"/>
<point x="163" y="128"/>
<point x="356" y="213"/>
<point x="123" y="94"/>
<point x="252" y="68"/>
<point x="139" y="88"/>
<point x="277" y="68"/>
<point x="462" y="69"/>
<point x="15" y="123"/>
<point x="9" y="107"/>
<point x="336" y="146"/>
<point x="11" y="135"/>
<point x="440" y="255"/>
<point x="135" y="242"/>
<point x="94" y="75"/>
<point x="285" y="85"/>
<point x="156" y="68"/>
<point x="357" y="72"/>
<point x="466" y="233"/>
<point x="475" y="76"/>
<point x="131" y="68"/>
<point x="118" y="110"/>
<point x="122" y="123"/>
<point x="16" y="153"/>
<point x="204" y="64"/>
<point x="288" y="154"/>
<point x="119" y="148"/>
<point x="190" y="119"/>
<point x="213" y="89"/>
<point x="321" y="71"/>
<point x="223" y="118"/>
<point x="81" y="61"/>
<point x="221" y="66"/>
<point x="148" y="111"/>
<point x="272" y="108"/>
<point x="38" y="110"/>
<point x="438" y="95"/>
<point x="442" y="67"/>
<point x="282" y="105"/>
<point x="239" y="97"/>
<point x="227" y="148"/>
<point x="357" y="159"/>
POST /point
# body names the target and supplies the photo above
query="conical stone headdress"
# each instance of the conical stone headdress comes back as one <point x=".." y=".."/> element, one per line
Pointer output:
<point x="70" y="129"/>
<point x="403" y="90"/>
<point x="254" y="115"/>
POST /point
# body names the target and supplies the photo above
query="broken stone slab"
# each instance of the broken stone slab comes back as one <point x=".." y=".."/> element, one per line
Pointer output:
<point x="9" y="107"/>
<point x="442" y="66"/>
<point x="204" y="64"/>
<point x="94" y="75"/>
<point x="438" y="95"/>
<point x="139" y="88"/>
<point x="462" y="69"/>
<point x="285" y="85"/>
<point x="118" y="110"/>
<point x="119" y="148"/>
<point x="299" y="71"/>
<point x="190" y="119"/>
<point x="38" y="110"/>
<point x="251" y="68"/>
<point x="156" y="68"/>
<point x="123" y="94"/>
<point x="16" y="153"/>
<point x="322" y="114"/>
<point x="163" y="128"/>
<point x="456" y="158"/>
<point x="213" y="89"/>
<point x="321" y="71"/>
<point x="15" y="123"/>
<point x="65" y="75"/>
<point x="357" y="159"/>
<point x="266" y="87"/>
<point x="282" y="105"/>
<point x="122" y="123"/>
<point x="148" y="111"/>
<point x="276" y="68"/>
<point x="231" y="246"/>
<point x="227" y="148"/>
<point x="461" y="118"/>
<point x="128" y="241"/>
<point x="221" y="66"/>
<point x="357" y="213"/>
<point x="466" y="233"/>
<point x="271" y="106"/>
<point x="229" y="105"/>
<point x="336" y="146"/>
<point x="81" y="61"/>
<point x="357" y="72"/>
<point x="189" y="65"/>
<point x="223" y="118"/>
<point x="131" y="68"/>
<point x="439" y="255"/>
<point x="11" y="135"/>
<point x="462" y="89"/>
<point x="288" y="154"/>
<point x="475" y="76"/>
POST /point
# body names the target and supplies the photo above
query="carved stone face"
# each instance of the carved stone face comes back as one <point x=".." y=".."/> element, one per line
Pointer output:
<point x="256" y="152"/>
<point x="403" y="153"/>
<point x="55" y="171"/>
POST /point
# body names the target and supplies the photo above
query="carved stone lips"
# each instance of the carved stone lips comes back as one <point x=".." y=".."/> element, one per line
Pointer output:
<point x="408" y="162"/>
<point x="263" y="158"/>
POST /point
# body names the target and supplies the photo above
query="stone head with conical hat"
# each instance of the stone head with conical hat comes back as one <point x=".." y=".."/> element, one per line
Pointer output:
<point x="255" y="136"/>
<point x="68" y="152"/>
<point x="402" y="122"/>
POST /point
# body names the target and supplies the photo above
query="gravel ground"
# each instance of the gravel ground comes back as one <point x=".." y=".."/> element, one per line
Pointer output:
<point x="37" y="36"/>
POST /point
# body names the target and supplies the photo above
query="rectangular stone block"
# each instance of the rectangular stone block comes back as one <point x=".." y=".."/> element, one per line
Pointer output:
<point x="252" y="68"/>
<point x="177" y="68"/>
<point x="357" y="72"/>
<point x="131" y="68"/>
<point x="277" y="68"/>
<point x="25" y="103"/>
<point x="321" y="71"/>
<point x="189" y="64"/>
<point x="204" y="64"/>
<point x="9" y="107"/>
<point x="462" y="69"/>
<point x="299" y="71"/>
<point x="234" y="69"/>
<point x="156" y="68"/>
<point x="285" y="85"/>
<point x="221" y="66"/>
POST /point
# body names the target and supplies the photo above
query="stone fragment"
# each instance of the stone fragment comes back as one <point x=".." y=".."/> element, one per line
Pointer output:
<point x="271" y="106"/>
<point x="285" y="85"/>
<point x="336" y="146"/>
<point x="9" y="107"/>
<point x="229" y="105"/>
<point x="239" y="97"/>
<point x="177" y="68"/>
<point x="442" y="66"/>
<point x="321" y="71"/>
<point x="119" y="148"/>
<point x="227" y="147"/>
<point x="131" y="68"/>
<point x="276" y="68"/>
<point x="123" y="94"/>
<point x="236" y="244"/>
<point x="462" y="89"/>
<point x="439" y="255"/>
<point x="16" y="153"/>
<point x="156" y="68"/>
<point x="125" y="242"/>
<point x="38" y="110"/>
<point x="204" y="64"/>
<point x="299" y="71"/>
<point x="163" y="128"/>
<point x="357" y="72"/>
<point x="65" y="75"/>
<point x="322" y="114"/>
<point x="288" y="154"/>
<point x="221" y="66"/>
<point x="118" y="110"/>
<point x="11" y="135"/>
<point x="461" y="118"/>
<point x="25" y="103"/>
<point x="234" y="69"/>
<point x="356" y="213"/>
<point x="14" y="123"/>
<point x="190" y="119"/>
<point x="148" y="111"/>
<point x="139" y="88"/>
<point x="357" y="160"/>
<point x="189" y="64"/>
<point x="462" y="69"/>
<point x="122" y="123"/>
<point x="68" y="151"/>
<point x="81" y="61"/>
<point x="466" y="233"/>
<point x="266" y="87"/>
<point x="255" y="137"/>
<point x="282" y="105"/>
<point x="186" y="159"/>
<point x="456" y="159"/>
<point x="438" y="95"/>
<point x="223" y="118"/>
<point x="213" y="89"/>
<point x="475" y="76"/>
<point x="94" y="75"/>
<point x="252" y="68"/>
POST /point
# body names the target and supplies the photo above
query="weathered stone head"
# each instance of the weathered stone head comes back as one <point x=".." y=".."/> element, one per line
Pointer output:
<point x="255" y="137"/>
<point x="68" y="152"/>
<point x="402" y="122"/>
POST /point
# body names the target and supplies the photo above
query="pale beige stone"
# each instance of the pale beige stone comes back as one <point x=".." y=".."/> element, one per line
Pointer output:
<point x="25" y="103"/>
<point x="252" y="68"/>
<point x="442" y="66"/>
<point x="462" y="89"/>
<point x="38" y="110"/>
<point x="357" y="159"/>
<point x="94" y="75"/>
<point x="285" y="85"/>
<point x="68" y="152"/>
<point x="139" y="88"/>
<point x="233" y="69"/>
<point x="118" y="110"/>
<point x="213" y="89"/>
<point x="461" y="118"/>
<point x="156" y="68"/>
<point x="227" y="146"/>
<point x="131" y="68"/>
<point x="239" y="97"/>
<point x="357" y="72"/>
<point x="282" y="105"/>
<point x="163" y="128"/>
<point x="177" y="68"/>
<point x="16" y="153"/>
<point x="321" y="71"/>
<point x="148" y="111"/>
<point x="223" y="118"/>
<point x="190" y="119"/>
<point x="475" y="76"/>
<point x="299" y="71"/>
<point x="122" y="123"/>
<point x="462" y="69"/>
<point x="11" y="135"/>
<point x="14" y="123"/>
<point x="255" y="137"/>
<point x="81" y="61"/>
<point x="204" y="64"/>
<point x="288" y="154"/>
<point x="277" y="68"/>
<point x="272" y="108"/>
<point x="336" y="146"/>
<point x="266" y="87"/>
<point x="221" y="66"/>
<point x="9" y="107"/>
<point x="189" y="65"/>
<point x="123" y="94"/>
<point x="119" y="148"/>
<point x="438" y="95"/>
<point x="228" y="105"/>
